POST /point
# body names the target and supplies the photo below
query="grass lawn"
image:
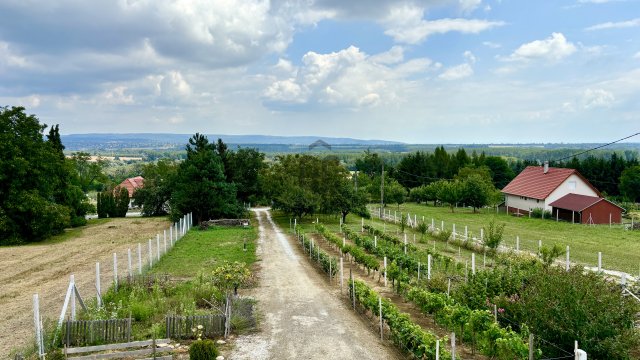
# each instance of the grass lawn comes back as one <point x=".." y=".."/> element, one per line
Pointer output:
<point x="620" y="249"/>
<point x="204" y="250"/>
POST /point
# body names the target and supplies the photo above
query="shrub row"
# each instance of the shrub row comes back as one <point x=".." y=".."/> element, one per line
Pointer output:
<point x="405" y="333"/>
<point x="370" y="262"/>
<point x="327" y="263"/>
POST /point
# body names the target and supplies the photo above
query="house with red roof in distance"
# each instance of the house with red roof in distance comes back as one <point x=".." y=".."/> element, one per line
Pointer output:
<point x="132" y="184"/>
<point x="565" y="193"/>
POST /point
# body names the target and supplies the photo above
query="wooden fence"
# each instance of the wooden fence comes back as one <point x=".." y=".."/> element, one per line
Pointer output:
<point x="91" y="332"/>
<point x="180" y="327"/>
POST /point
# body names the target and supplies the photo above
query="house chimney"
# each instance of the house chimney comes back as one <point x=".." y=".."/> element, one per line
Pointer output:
<point x="546" y="167"/>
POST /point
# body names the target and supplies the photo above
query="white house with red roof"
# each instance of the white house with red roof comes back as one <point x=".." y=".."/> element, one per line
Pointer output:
<point x="539" y="186"/>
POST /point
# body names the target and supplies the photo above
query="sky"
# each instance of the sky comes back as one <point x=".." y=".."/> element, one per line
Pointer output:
<point x="422" y="71"/>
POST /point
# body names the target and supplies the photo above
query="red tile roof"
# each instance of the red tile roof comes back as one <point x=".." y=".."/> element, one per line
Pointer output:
<point x="576" y="202"/>
<point x="533" y="183"/>
<point x="131" y="184"/>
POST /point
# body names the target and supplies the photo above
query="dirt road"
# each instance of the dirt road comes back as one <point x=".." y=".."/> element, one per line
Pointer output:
<point x="45" y="269"/>
<point x="301" y="317"/>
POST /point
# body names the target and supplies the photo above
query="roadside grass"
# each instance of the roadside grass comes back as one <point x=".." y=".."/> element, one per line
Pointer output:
<point x="204" y="250"/>
<point x="189" y="262"/>
<point x="620" y="248"/>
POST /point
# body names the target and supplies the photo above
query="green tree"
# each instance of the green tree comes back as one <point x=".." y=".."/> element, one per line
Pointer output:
<point x="394" y="193"/>
<point x="451" y="192"/>
<point x="561" y="307"/>
<point x="630" y="183"/>
<point x="245" y="166"/>
<point x="476" y="191"/>
<point x="30" y="171"/>
<point x="154" y="196"/>
<point x="370" y="164"/>
<point x="200" y="185"/>
<point x="90" y="173"/>
<point x="493" y="236"/>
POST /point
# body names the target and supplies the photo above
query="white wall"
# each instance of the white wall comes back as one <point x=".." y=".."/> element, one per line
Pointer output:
<point x="528" y="205"/>
<point x="565" y="188"/>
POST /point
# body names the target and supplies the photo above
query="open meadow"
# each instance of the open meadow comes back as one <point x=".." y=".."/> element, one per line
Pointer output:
<point x="620" y="248"/>
<point x="44" y="268"/>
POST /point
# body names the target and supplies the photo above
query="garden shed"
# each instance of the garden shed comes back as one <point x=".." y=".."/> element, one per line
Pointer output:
<point x="585" y="209"/>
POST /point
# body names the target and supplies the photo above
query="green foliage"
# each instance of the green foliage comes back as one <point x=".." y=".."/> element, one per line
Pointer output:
<point x="451" y="192"/>
<point x="113" y="203"/>
<point x="493" y="235"/>
<point x="230" y="276"/>
<point x="540" y="213"/>
<point x="200" y="185"/>
<point x="90" y="173"/>
<point x="203" y="350"/>
<point x="154" y="196"/>
<point x="562" y="306"/>
<point x="630" y="183"/>
<point x="476" y="191"/>
<point x="549" y="255"/>
<point x="243" y="168"/>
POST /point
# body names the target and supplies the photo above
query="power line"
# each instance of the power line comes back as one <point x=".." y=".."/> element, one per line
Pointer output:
<point x="597" y="147"/>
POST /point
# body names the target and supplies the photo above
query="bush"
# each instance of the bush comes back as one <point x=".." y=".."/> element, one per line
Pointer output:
<point x="77" y="221"/>
<point x="203" y="350"/>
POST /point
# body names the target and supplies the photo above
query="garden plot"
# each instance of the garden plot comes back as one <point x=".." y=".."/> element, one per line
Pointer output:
<point x="45" y="269"/>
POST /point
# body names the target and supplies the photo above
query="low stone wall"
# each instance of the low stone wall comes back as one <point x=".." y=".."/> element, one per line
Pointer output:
<point x="225" y="222"/>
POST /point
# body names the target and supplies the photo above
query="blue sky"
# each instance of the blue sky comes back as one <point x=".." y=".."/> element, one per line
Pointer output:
<point x="423" y="71"/>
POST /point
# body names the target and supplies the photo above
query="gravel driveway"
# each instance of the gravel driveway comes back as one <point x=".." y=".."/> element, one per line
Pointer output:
<point x="301" y="317"/>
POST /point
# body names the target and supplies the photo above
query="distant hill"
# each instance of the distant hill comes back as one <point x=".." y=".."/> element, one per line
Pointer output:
<point x="74" y="142"/>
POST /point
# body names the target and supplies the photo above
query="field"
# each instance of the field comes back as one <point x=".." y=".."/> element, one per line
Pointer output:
<point x="44" y="268"/>
<point x="620" y="249"/>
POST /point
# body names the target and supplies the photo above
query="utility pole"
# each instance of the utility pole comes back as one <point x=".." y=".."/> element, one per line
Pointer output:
<point x="382" y="191"/>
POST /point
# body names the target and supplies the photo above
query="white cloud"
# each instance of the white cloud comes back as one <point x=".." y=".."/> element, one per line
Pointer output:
<point x="597" y="98"/>
<point x="457" y="72"/>
<point x="554" y="48"/>
<point x="637" y="55"/>
<point x="615" y="25"/>
<point x="118" y="96"/>
<point x="491" y="44"/>
<point x="347" y="78"/>
<point x="469" y="56"/>
<point x="405" y="24"/>
<point x="9" y="58"/>
<point x="468" y="6"/>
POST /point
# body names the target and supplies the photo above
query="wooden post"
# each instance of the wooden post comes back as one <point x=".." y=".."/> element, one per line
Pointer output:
<point x="567" y="267"/>
<point x="531" y="346"/>
<point x="139" y="258"/>
<point x="99" y="297"/>
<point x="599" y="261"/>
<point x="115" y="270"/>
<point x="380" y="316"/>
<point x="429" y="267"/>
<point x="573" y="217"/>
<point x="36" y="320"/>
<point x="129" y="266"/>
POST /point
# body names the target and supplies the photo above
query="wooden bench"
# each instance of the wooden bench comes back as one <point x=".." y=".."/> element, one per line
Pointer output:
<point x="144" y="348"/>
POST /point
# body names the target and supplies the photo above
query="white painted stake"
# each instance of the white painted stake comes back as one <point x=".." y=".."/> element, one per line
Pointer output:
<point x="473" y="263"/>
<point x="99" y="297"/>
<point x="481" y="234"/>
<point x="375" y="241"/>
<point x="164" y="238"/>
<point x="448" y="287"/>
<point x="495" y="313"/>
<point x="158" y="246"/>
<point x="129" y="267"/>
<point x="418" y="270"/>
<point x="454" y="232"/>
<point x="623" y="279"/>
<point x="405" y="243"/>
<point x="567" y="265"/>
<point x="442" y="225"/>
<point x="437" y="349"/>
<point x="385" y="271"/>
<point x="429" y="267"/>
<point x="36" y="321"/>
<point x="433" y="224"/>
<point x="361" y="224"/>
<point x="453" y="346"/>
<point x="171" y="235"/>
<point x="72" y="280"/>
<point x="139" y="258"/>
<point x="150" y="255"/>
<point x="380" y="316"/>
<point x="518" y="243"/>
<point x="341" y="274"/>
<point x="599" y="261"/>
<point x="465" y="233"/>
<point x="115" y="270"/>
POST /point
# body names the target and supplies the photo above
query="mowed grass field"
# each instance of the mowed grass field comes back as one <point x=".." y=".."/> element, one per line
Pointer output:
<point x="620" y="248"/>
<point x="204" y="250"/>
